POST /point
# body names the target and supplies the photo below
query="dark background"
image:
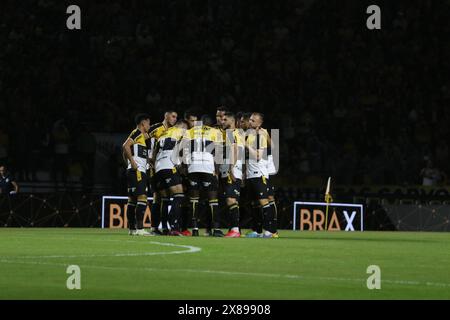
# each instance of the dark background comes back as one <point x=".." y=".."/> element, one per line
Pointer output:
<point x="365" y="107"/>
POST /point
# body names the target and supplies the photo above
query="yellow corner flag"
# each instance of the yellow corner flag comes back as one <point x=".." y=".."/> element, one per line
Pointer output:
<point x="328" y="200"/>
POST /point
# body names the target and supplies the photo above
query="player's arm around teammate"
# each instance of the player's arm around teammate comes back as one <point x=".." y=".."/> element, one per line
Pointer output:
<point x="168" y="176"/>
<point x="155" y="132"/>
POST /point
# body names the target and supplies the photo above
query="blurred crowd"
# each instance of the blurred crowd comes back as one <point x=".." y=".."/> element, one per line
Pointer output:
<point x="366" y="107"/>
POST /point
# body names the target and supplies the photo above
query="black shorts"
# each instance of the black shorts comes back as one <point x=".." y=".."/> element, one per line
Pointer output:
<point x="200" y="181"/>
<point x="243" y="199"/>
<point x="270" y="188"/>
<point x="166" y="179"/>
<point x="230" y="188"/>
<point x="257" y="188"/>
<point x="136" y="183"/>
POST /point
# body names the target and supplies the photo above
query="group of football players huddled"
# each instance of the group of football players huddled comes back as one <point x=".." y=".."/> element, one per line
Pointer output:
<point x="197" y="165"/>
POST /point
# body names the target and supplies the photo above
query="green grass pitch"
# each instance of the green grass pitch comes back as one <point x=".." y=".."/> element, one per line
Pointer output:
<point x="298" y="265"/>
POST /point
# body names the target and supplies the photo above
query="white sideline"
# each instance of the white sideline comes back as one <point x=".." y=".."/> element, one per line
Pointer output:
<point x="193" y="249"/>
<point x="246" y="274"/>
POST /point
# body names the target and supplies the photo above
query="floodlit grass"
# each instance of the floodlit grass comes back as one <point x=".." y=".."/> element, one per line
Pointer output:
<point x="298" y="265"/>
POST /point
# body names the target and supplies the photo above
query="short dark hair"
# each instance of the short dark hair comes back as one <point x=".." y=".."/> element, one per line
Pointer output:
<point x="222" y="109"/>
<point x="170" y="111"/>
<point x="239" y="114"/>
<point x="140" y="117"/>
<point x="260" y="115"/>
<point x="246" y="115"/>
<point x="190" y="113"/>
<point x="207" y="120"/>
<point x="229" y="114"/>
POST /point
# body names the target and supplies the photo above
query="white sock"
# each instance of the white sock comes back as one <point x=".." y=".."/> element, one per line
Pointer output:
<point x="235" y="229"/>
<point x="267" y="233"/>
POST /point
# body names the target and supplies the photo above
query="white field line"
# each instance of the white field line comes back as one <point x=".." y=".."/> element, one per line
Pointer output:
<point x="244" y="274"/>
<point x="192" y="249"/>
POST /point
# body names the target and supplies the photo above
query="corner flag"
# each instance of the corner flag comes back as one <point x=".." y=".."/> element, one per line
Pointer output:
<point x="328" y="200"/>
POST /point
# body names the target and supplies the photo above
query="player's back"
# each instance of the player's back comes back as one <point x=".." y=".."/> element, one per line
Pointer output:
<point x="202" y="142"/>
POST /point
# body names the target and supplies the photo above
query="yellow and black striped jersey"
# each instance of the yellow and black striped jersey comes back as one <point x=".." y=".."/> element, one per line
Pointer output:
<point x="233" y="137"/>
<point x="155" y="131"/>
<point x="139" y="149"/>
<point x="202" y="142"/>
<point x="257" y="141"/>
<point x="165" y="146"/>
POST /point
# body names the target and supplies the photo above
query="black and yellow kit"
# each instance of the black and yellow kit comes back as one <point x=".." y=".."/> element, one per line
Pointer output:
<point x="136" y="182"/>
<point x="201" y="181"/>
<point x="270" y="188"/>
<point x="137" y="179"/>
<point x="156" y="130"/>
<point x="167" y="178"/>
<point x="203" y="142"/>
<point x="230" y="188"/>
<point x="234" y="144"/>
<point x="257" y="188"/>
<point x="166" y="160"/>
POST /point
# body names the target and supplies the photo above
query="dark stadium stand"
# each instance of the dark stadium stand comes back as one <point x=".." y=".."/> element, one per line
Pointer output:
<point x="366" y="108"/>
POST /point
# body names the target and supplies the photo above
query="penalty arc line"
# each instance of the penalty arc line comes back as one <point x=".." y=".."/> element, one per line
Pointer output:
<point x="191" y="249"/>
